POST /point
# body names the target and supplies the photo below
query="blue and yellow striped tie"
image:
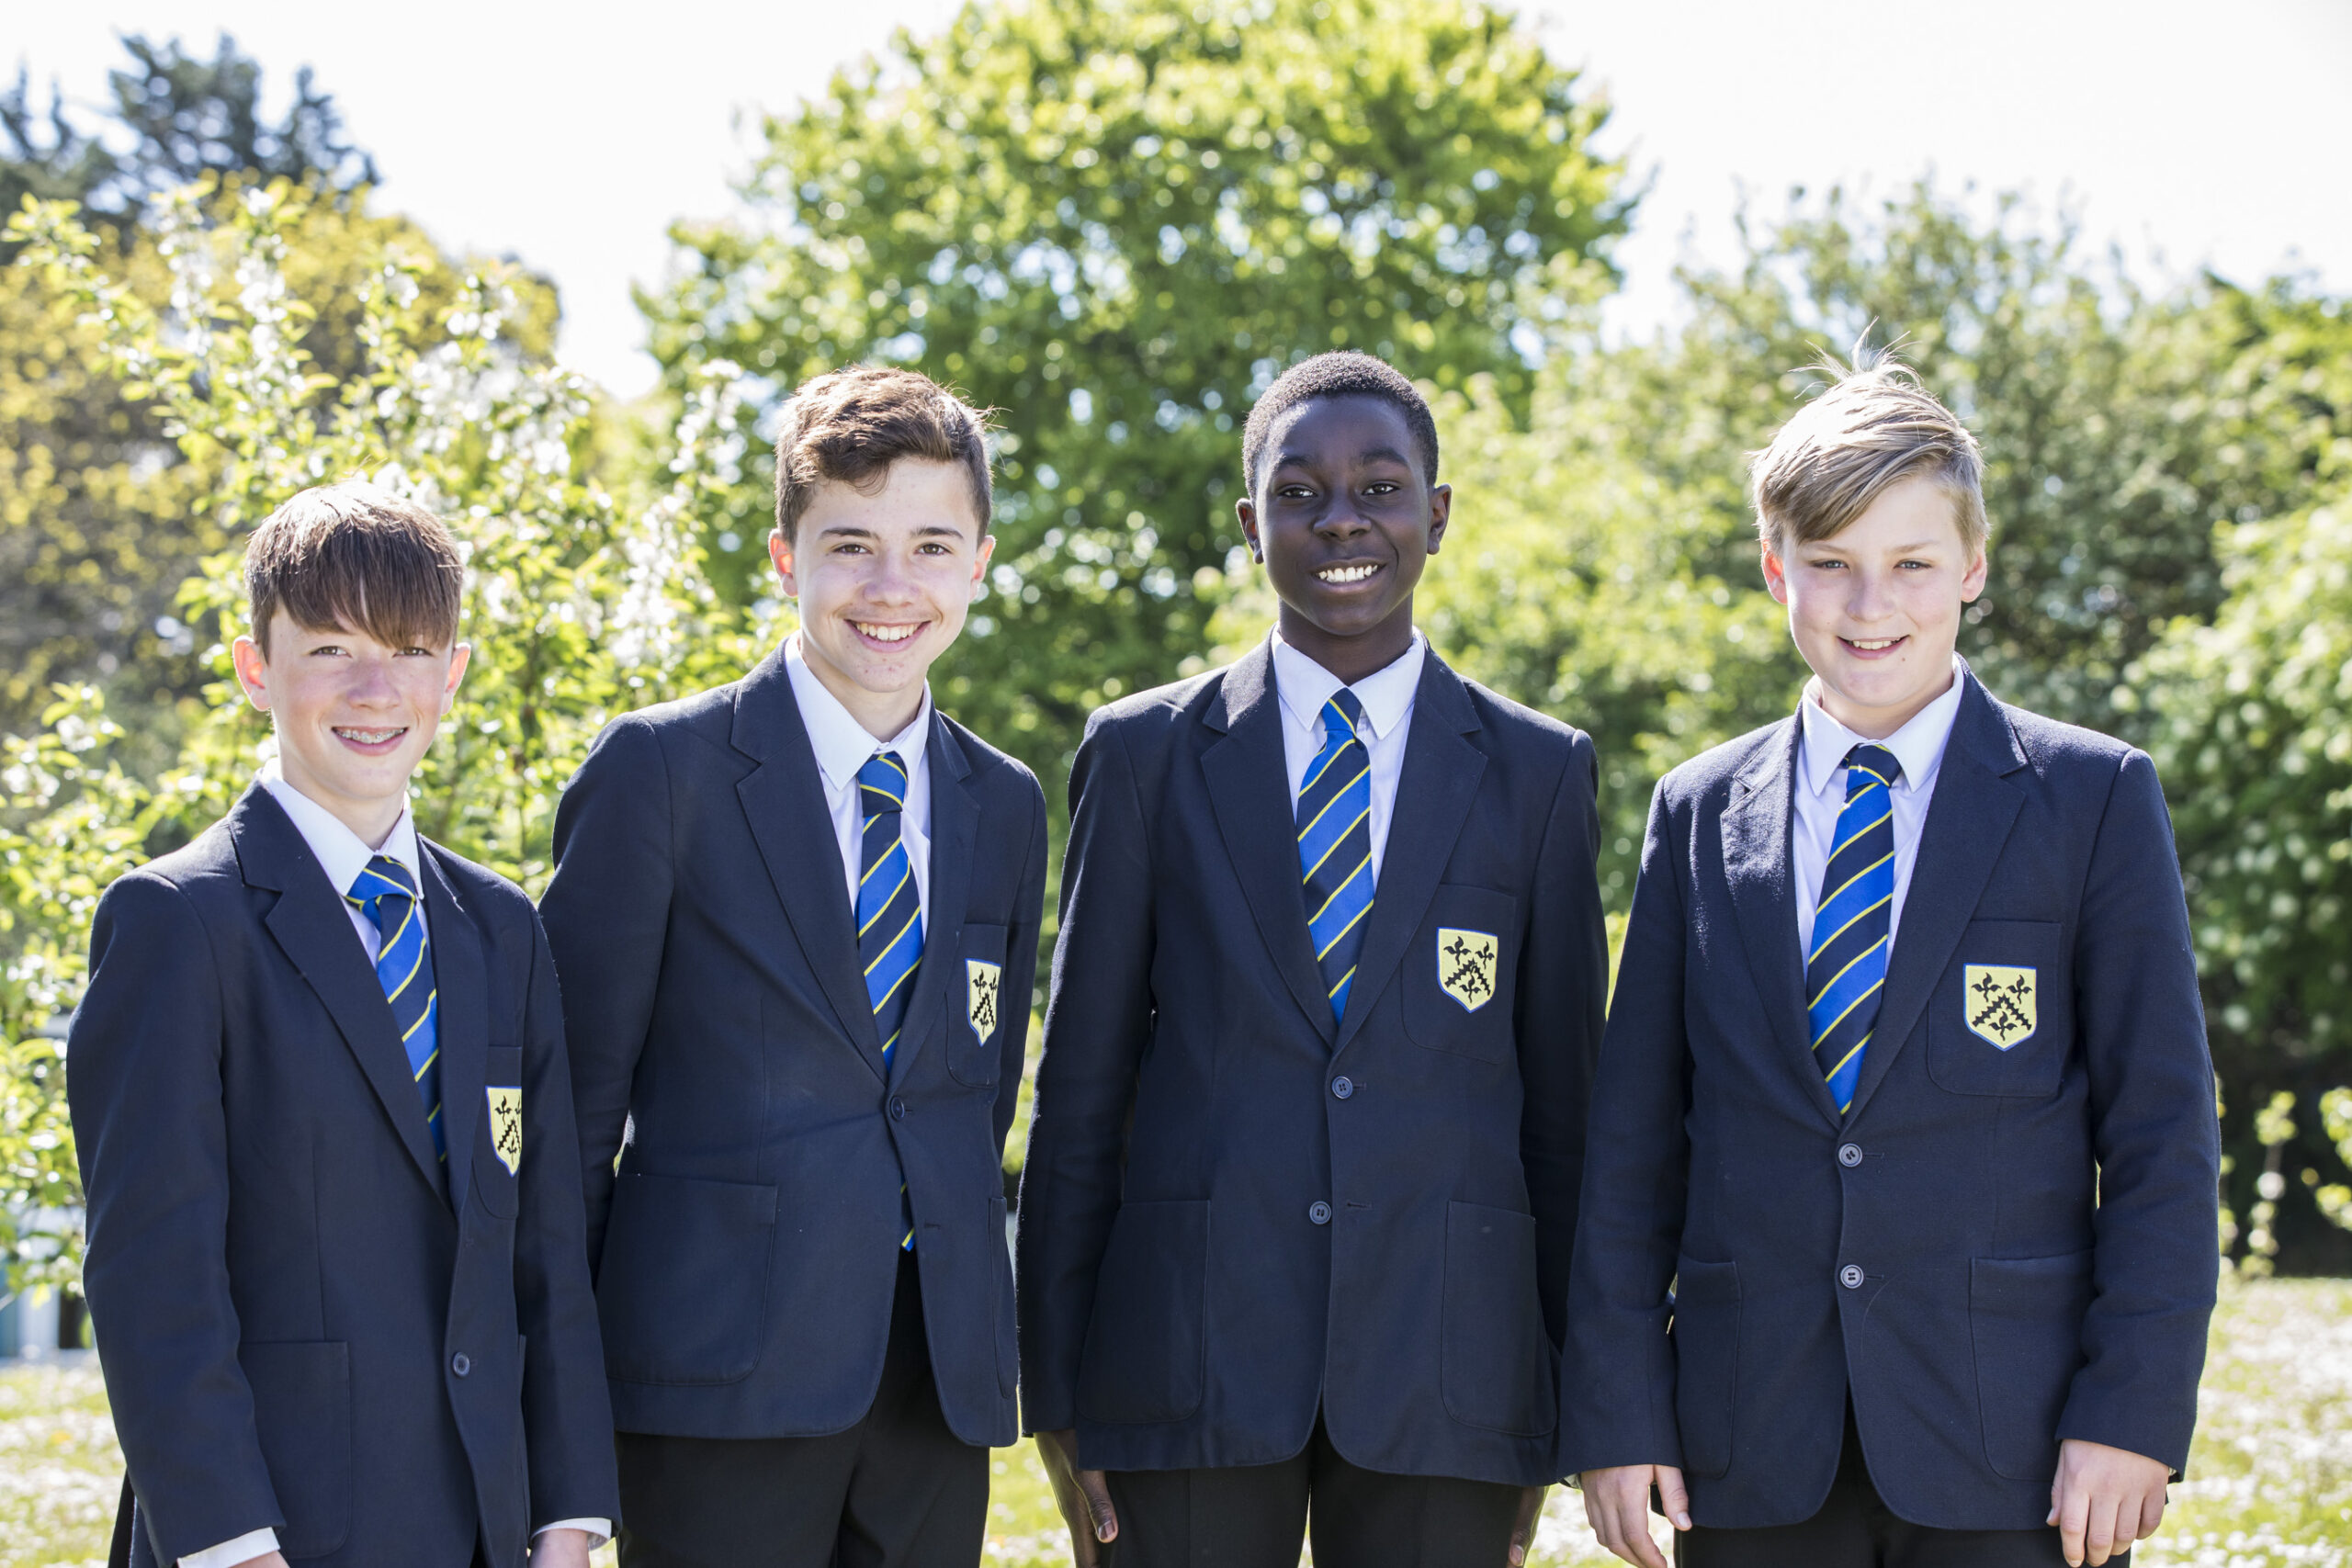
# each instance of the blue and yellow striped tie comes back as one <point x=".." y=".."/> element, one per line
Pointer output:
<point x="1335" y="846"/>
<point x="889" y="913"/>
<point x="386" y="893"/>
<point x="1845" y="974"/>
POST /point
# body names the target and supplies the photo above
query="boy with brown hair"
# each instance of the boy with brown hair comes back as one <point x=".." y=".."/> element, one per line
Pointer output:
<point x="1896" y="1245"/>
<point x="317" y="1085"/>
<point x="796" y="922"/>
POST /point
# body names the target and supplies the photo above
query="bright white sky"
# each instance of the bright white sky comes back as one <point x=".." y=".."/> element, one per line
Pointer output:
<point x="2190" y="135"/>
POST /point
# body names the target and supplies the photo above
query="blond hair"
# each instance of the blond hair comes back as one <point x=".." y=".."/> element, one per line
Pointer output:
<point x="1874" y="428"/>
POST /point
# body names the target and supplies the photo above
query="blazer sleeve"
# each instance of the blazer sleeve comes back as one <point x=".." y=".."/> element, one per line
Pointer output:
<point x="1563" y="982"/>
<point x="1097" y="1023"/>
<point x="608" y="916"/>
<point x="567" y="1413"/>
<point x="1617" y="1393"/>
<point x="1021" y="970"/>
<point x="144" y="1086"/>
<point x="2141" y="1025"/>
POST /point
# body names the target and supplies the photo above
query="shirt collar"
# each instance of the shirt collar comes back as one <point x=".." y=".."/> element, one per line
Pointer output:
<point x="1386" y="694"/>
<point x="841" y="744"/>
<point x="1918" y="745"/>
<point x="342" y="852"/>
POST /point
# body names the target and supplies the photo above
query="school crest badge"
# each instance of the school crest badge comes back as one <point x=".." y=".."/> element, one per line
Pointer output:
<point x="506" y="1127"/>
<point x="1467" y="966"/>
<point x="981" y="983"/>
<point x="1999" y="1002"/>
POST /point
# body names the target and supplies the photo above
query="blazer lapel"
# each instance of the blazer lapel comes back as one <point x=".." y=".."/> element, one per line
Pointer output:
<point x="1434" y="792"/>
<point x="1756" y="826"/>
<point x="955" y="828"/>
<point x="1968" y="824"/>
<point x="1249" y="787"/>
<point x="462" y="1020"/>
<point x="311" y="924"/>
<point x="784" y="801"/>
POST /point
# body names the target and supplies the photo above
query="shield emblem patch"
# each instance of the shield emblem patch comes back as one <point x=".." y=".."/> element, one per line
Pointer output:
<point x="1999" y="1003"/>
<point x="1466" y="962"/>
<point x="506" y="1126"/>
<point x="981" y="982"/>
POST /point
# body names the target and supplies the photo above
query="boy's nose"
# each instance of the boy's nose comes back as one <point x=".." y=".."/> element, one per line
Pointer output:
<point x="1342" y="522"/>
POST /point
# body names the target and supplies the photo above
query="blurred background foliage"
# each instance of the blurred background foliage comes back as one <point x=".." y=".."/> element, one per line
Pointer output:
<point x="1114" y="221"/>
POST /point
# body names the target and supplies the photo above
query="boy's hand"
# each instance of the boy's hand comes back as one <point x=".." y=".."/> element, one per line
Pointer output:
<point x="1617" y="1506"/>
<point x="1084" y="1497"/>
<point x="1522" y="1534"/>
<point x="2104" y="1499"/>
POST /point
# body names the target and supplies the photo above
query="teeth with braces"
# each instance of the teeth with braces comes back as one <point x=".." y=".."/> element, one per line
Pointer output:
<point x="368" y="737"/>
<point x="1347" y="573"/>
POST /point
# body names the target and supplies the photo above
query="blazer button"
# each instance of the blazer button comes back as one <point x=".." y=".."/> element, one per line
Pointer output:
<point x="461" y="1363"/>
<point x="897" y="1108"/>
<point x="1850" y="1276"/>
<point x="1850" y="1155"/>
<point x="1341" y="1087"/>
<point x="1319" y="1211"/>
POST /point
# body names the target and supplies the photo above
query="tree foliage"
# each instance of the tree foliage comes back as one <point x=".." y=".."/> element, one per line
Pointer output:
<point x="579" y="603"/>
<point x="1115" y="220"/>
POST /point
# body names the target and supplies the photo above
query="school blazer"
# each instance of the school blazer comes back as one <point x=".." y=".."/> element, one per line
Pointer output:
<point x="2008" y="1239"/>
<point x="747" y="1251"/>
<point x="1234" y="1212"/>
<point x="305" y="1321"/>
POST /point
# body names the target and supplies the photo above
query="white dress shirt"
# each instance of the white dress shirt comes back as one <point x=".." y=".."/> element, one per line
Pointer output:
<point x="1387" y="696"/>
<point x="843" y="746"/>
<point x="344" y="854"/>
<point x="1821" y="794"/>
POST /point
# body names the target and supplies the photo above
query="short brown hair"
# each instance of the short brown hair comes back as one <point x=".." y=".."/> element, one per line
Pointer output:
<point x="350" y="556"/>
<point x="852" y="424"/>
<point x="1874" y="428"/>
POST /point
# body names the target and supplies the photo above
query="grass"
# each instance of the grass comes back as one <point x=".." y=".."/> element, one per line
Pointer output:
<point x="2270" y="1483"/>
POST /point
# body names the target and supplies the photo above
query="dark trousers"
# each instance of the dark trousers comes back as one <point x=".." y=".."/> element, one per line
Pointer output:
<point x="1856" y="1529"/>
<point x="1256" y="1515"/>
<point x="898" y="1490"/>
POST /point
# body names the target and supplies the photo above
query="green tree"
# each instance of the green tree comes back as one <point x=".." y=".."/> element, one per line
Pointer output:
<point x="1115" y="220"/>
<point x="2250" y="719"/>
<point x="2119" y="426"/>
<point x="579" y="601"/>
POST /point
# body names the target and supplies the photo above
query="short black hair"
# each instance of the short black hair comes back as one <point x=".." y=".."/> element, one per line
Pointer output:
<point x="1346" y="374"/>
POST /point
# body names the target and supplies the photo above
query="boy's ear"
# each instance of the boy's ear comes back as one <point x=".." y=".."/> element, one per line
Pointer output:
<point x="1971" y="582"/>
<point x="252" y="671"/>
<point x="1247" y="511"/>
<point x="1776" y="574"/>
<point x="458" y="657"/>
<point x="780" y="555"/>
<point x="1440" y="512"/>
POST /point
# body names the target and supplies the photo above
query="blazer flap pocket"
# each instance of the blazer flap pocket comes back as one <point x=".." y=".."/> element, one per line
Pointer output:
<point x="683" y="1283"/>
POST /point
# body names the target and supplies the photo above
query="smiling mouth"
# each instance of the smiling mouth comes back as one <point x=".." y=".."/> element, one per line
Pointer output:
<point x="1873" y="644"/>
<point x="370" y="738"/>
<point x="1354" y="572"/>
<point x="887" y="636"/>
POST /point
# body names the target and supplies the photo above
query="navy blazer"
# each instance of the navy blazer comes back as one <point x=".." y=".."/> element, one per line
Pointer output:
<point x="298" y="1328"/>
<point x="746" y="1255"/>
<point x="1235" y="1212"/>
<point x="2009" y="1240"/>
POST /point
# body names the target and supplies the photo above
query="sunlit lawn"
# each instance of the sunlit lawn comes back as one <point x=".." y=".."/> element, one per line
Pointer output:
<point x="2270" y="1483"/>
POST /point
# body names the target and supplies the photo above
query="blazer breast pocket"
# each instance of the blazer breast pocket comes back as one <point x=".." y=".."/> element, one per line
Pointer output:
<point x="2002" y="1018"/>
<point x="976" y="1006"/>
<point x="498" y="1146"/>
<point x="1458" y="988"/>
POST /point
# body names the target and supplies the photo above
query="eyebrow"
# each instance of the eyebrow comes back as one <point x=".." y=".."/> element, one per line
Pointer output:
<point x="858" y="531"/>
